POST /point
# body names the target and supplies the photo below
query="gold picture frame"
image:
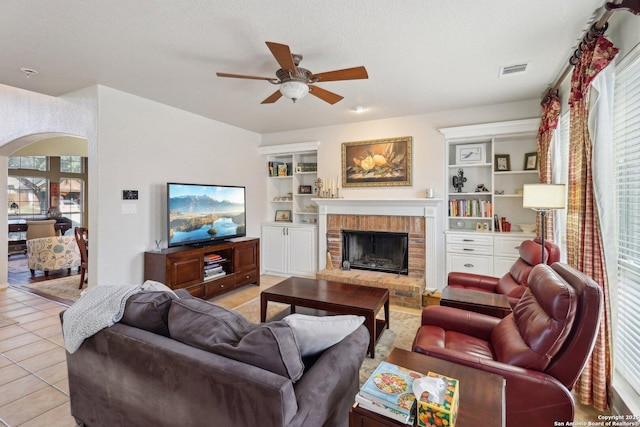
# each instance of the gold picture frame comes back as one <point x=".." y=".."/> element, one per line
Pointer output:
<point x="282" y="215"/>
<point x="377" y="162"/>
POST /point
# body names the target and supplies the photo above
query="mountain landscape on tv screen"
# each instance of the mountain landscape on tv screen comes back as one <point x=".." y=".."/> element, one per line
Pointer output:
<point x="194" y="218"/>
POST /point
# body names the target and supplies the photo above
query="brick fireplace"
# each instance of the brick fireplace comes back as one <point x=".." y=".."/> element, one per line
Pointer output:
<point x="418" y="218"/>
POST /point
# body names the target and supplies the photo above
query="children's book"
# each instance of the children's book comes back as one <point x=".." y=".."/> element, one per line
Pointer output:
<point x="390" y="385"/>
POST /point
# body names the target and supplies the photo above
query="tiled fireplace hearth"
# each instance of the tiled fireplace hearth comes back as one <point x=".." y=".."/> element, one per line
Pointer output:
<point x="418" y="218"/>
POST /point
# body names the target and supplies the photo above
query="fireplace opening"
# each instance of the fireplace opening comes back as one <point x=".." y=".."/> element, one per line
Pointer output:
<point x="376" y="250"/>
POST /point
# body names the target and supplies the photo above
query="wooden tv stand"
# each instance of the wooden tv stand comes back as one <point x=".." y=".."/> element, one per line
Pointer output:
<point x="184" y="266"/>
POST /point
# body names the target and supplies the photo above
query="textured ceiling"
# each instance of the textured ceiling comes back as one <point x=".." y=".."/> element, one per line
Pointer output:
<point x="422" y="56"/>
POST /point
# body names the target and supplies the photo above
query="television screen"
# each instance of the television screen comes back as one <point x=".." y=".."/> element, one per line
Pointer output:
<point x="198" y="214"/>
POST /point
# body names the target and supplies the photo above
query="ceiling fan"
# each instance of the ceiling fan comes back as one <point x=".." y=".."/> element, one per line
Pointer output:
<point x="295" y="82"/>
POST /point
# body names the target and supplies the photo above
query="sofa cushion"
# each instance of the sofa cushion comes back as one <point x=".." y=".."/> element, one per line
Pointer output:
<point x="539" y="324"/>
<point x="148" y="311"/>
<point x="271" y="346"/>
<point x="315" y="334"/>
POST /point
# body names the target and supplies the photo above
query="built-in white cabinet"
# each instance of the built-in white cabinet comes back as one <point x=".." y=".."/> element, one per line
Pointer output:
<point x="488" y="254"/>
<point x="289" y="243"/>
<point x="289" y="250"/>
<point x="486" y="168"/>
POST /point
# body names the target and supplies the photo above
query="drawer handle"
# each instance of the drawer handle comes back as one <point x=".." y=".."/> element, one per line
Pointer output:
<point x="468" y="249"/>
<point x="468" y="240"/>
<point x="469" y="265"/>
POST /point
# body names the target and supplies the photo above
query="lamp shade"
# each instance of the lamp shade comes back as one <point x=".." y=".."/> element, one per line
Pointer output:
<point x="294" y="89"/>
<point x="543" y="196"/>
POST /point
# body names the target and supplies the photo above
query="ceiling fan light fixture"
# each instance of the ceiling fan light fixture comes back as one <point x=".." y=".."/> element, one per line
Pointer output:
<point x="359" y="109"/>
<point x="294" y="89"/>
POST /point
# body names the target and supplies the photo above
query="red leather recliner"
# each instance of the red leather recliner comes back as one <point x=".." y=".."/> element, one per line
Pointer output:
<point x="514" y="283"/>
<point x="540" y="348"/>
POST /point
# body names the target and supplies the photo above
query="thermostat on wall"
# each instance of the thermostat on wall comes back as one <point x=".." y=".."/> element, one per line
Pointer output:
<point x="129" y="194"/>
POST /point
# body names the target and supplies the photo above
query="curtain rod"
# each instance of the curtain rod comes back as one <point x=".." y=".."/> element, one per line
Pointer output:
<point x="594" y="32"/>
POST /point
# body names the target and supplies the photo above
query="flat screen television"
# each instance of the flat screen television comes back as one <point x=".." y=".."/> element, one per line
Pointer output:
<point x="200" y="214"/>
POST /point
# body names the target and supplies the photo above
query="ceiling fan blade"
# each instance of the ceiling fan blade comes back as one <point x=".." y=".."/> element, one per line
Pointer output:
<point x="325" y="95"/>
<point x="241" y="76"/>
<point x="282" y="53"/>
<point x="272" y="98"/>
<point x="346" y="74"/>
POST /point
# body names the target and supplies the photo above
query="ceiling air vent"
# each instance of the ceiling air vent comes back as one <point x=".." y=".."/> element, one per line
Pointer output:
<point x="513" y="70"/>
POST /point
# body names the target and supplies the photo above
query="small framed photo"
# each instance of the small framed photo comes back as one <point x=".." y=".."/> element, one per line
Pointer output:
<point x="470" y="154"/>
<point x="531" y="161"/>
<point x="283" y="216"/>
<point x="304" y="189"/>
<point x="282" y="170"/>
<point x="502" y="163"/>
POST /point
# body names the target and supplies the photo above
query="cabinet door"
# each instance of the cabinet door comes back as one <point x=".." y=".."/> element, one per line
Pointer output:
<point x="274" y="249"/>
<point x="302" y="251"/>
<point x="185" y="271"/>
<point x="245" y="257"/>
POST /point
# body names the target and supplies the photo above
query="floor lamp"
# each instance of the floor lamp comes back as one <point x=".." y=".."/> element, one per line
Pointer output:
<point x="543" y="198"/>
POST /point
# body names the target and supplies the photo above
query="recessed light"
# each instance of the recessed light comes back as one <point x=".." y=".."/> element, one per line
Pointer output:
<point x="29" y="71"/>
<point x="359" y="108"/>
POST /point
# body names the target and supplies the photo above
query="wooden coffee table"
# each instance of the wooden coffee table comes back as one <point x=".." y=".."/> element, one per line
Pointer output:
<point x="496" y="305"/>
<point x="333" y="297"/>
<point x="482" y="395"/>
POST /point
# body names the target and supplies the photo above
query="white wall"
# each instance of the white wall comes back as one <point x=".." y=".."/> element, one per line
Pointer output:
<point x="142" y="145"/>
<point x="428" y="144"/>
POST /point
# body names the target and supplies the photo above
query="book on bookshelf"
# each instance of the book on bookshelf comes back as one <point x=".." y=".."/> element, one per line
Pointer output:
<point x="390" y="385"/>
<point x="386" y="411"/>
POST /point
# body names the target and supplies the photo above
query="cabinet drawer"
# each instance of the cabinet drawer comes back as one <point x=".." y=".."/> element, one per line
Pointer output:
<point x="246" y="277"/>
<point x="470" y="249"/>
<point x="470" y="264"/>
<point x="197" y="291"/>
<point x="507" y="246"/>
<point x="470" y="239"/>
<point x="218" y="286"/>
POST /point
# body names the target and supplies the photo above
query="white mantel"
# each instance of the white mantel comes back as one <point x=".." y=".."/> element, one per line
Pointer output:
<point x="430" y="209"/>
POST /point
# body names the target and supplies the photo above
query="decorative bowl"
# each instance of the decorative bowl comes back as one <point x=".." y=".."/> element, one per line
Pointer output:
<point x="527" y="228"/>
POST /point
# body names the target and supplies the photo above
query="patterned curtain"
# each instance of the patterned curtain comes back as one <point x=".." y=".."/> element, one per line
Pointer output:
<point x="548" y="125"/>
<point x="584" y="241"/>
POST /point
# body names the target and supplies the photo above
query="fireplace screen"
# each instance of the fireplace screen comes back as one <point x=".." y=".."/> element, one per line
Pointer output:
<point x="376" y="251"/>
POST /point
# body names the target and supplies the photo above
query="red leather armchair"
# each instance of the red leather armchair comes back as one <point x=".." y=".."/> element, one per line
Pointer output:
<point x="514" y="283"/>
<point x="540" y="348"/>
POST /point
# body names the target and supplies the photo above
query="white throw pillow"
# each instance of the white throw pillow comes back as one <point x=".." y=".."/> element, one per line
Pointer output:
<point x="315" y="334"/>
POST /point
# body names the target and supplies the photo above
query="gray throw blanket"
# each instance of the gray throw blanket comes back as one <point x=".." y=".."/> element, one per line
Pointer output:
<point x="99" y="308"/>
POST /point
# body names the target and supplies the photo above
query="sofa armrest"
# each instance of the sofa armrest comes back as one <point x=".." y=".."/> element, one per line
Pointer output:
<point x="327" y="390"/>
<point x="533" y="398"/>
<point x="147" y="379"/>
<point x="463" y="321"/>
<point x="467" y="280"/>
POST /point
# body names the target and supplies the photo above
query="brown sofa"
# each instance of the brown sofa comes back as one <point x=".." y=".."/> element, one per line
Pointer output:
<point x="181" y="363"/>
<point x="514" y="283"/>
<point x="540" y="349"/>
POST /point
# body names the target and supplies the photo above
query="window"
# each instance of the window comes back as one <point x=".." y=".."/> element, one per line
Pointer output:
<point x="71" y="199"/>
<point x="38" y="163"/>
<point x="561" y="176"/>
<point x="626" y="135"/>
<point x="27" y="196"/>
<point x="71" y="164"/>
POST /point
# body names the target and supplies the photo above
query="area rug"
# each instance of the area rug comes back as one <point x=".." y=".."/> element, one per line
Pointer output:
<point x="403" y="328"/>
<point x="64" y="288"/>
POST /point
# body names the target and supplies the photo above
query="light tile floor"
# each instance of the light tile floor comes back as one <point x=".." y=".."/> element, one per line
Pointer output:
<point x="34" y="389"/>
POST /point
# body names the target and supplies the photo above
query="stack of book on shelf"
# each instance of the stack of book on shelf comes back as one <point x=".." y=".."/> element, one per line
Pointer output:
<point x="212" y="267"/>
<point x="470" y="208"/>
<point x="388" y="392"/>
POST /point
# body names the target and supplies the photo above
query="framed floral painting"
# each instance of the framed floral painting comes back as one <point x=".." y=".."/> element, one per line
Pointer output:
<point x="377" y="163"/>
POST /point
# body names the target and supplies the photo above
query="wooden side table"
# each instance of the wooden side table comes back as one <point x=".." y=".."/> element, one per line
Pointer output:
<point x="482" y="395"/>
<point x="496" y="305"/>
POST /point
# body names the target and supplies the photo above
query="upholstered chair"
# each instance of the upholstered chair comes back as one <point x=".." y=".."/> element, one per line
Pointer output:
<point x="514" y="283"/>
<point x="52" y="253"/>
<point x="37" y="229"/>
<point x="540" y="348"/>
